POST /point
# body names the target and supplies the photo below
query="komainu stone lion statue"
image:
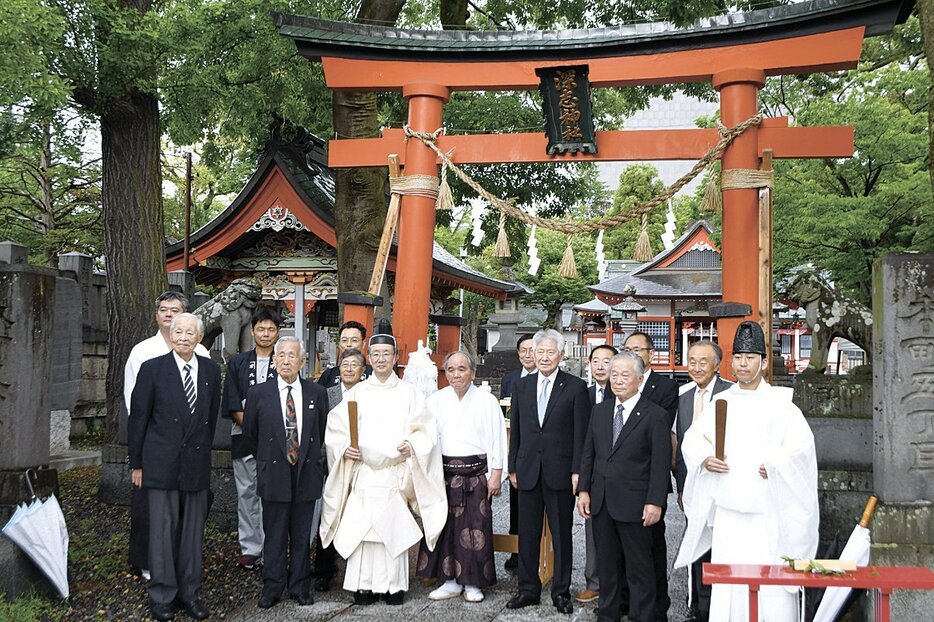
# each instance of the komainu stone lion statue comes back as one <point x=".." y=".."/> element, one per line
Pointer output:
<point x="830" y="315"/>
<point x="230" y="313"/>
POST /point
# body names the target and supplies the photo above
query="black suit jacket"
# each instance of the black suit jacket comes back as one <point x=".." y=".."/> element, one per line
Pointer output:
<point x="264" y="437"/>
<point x="509" y="382"/>
<point x="685" y="418"/>
<point x="607" y="394"/>
<point x="663" y="391"/>
<point x="241" y="375"/>
<point x="172" y="446"/>
<point x="634" y="471"/>
<point x="551" y="450"/>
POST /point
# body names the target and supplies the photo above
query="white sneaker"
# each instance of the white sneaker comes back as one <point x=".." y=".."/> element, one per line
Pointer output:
<point x="450" y="589"/>
<point x="473" y="594"/>
<point x="145" y="574"/>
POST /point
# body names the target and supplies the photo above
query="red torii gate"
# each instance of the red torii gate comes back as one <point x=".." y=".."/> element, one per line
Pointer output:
<point x="426" y="66"/>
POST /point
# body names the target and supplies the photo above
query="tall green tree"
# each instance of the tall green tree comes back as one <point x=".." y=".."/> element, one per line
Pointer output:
<point x="49" y="188"/>
<point x="843" y="214"/>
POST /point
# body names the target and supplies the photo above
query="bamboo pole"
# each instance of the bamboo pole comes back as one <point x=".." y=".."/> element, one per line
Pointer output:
<point x="765" y="262"/>
<point x="389" y="230"/>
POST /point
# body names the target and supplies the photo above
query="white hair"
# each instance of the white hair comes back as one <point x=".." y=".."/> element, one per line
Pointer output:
<point x="638" y="364"/>
<point x="199" y="325"/>
<point x="551" y="335"/>
<point x="290" y="339"/>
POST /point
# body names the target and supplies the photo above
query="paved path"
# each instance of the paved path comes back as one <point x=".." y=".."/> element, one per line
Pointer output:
<point x="338" y="604"/>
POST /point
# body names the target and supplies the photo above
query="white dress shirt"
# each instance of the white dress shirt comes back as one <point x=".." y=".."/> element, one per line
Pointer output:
<point x="628" y="406"/>
<point x="296" y="397"/>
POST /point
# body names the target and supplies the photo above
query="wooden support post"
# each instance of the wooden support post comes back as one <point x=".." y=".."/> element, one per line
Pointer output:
<point x="765" y="263"/>
<point x="739" y="90"/>
<point x="416" y="224"/>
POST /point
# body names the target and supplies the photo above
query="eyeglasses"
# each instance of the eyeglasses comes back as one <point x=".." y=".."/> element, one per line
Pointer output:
<point x="381" y="355"/>
<point x="637" y="350"/>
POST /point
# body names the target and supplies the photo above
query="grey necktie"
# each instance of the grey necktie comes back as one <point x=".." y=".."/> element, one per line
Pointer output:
<point x="543" y="401"/>
<point x="617" y="423"/>
<point x="599" y="395"/>
<point x="189" y="389"/>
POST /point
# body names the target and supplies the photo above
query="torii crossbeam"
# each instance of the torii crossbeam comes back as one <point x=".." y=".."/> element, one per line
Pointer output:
<point x="734" y="52"/>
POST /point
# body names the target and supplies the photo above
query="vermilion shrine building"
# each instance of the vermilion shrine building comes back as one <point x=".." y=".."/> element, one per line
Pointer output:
<point x="735" y="53"/>
<point x="280" y="229"/>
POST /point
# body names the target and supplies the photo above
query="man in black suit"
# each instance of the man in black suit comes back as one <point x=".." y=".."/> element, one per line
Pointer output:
<point x="283" y="428"/>
<point x="664" y="392"/>
<point x="245" y="370"/>
<point x="550" y="413"/>
<point x="623" y="486"/>
<point x="703" y="362"/>
<point x="526" y="353"/>
<point x="600" y="358"/>
<point x="175" y="404"/>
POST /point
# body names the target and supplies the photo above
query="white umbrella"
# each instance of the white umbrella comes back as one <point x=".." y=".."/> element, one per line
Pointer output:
<point x="856" y="550"/>
<point x="39" y="530"/>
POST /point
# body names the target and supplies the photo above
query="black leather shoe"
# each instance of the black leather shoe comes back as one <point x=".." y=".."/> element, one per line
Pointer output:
<point x="195" y="609"/>
<point x="365" y="597"/>
<point x="521" y="600"/>
<point x="323" y="583"/>
<point x="267" y="600"/>
<point x="303" y="599"/>
<point x="563" y="604"/>
<point x="512" y="563"/>
<point x="396" y="598"/>
<point x="162" y="611"/>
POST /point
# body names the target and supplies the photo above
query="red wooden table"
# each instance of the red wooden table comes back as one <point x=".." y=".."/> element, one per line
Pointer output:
<point x="882" y="579"/>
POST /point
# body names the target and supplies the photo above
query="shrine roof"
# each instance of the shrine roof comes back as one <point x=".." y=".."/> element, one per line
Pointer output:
<point x="690" y="268"/>
<point x="317" y="38"/>
<point x="304" y="164"/>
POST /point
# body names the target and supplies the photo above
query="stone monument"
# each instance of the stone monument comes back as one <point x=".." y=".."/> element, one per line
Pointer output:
<point x="27" y="296"/>
<point x="903" y="420"/>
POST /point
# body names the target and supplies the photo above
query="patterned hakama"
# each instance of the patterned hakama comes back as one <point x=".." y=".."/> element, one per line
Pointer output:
<point x="464" y="552"/>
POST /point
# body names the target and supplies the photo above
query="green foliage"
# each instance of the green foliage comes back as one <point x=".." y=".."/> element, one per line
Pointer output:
<point x="637" y="183"/>
<point x="49" y="187"/>
<point x="551" y="289"/>
<point x="29" y="608"/>
<point x="843" y="214"/>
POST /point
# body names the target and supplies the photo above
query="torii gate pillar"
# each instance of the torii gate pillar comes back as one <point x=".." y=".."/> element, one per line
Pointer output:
<point x="416" y="223"/>
<point x="739" y="96"/>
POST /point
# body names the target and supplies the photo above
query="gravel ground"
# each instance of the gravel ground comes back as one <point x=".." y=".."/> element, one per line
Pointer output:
<point x="102" y="587"/>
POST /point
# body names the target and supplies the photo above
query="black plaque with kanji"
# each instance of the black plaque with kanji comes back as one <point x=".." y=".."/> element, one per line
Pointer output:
<point x="568" y="109"/>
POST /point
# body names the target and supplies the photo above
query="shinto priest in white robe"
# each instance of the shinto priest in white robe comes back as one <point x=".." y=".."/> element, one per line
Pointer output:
<point x="368" y="504"/>
<point x="742" y="517"/>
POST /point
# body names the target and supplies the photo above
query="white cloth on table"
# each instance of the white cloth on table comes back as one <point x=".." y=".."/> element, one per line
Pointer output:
<point x="759" y="518"/>
<point x="472" y="425"/>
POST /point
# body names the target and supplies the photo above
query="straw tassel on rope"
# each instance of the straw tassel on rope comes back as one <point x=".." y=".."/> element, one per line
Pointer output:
<point x="445" y="198"/>
<point x="502" y="242"/>
<point x="711" y="202"/>
<point x="643" y="250"/>
<point x="568" y="267"/>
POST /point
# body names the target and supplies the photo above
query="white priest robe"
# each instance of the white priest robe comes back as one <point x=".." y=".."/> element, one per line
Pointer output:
<point x="368" y="504"/>
<point x="742" y="517"/>
<point x="472" y="425"/>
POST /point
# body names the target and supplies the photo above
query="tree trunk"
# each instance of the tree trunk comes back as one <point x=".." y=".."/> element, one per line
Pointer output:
<point x="454" y="14"/>
<point x="46" y="195"/>
<point x="134" y="243"/>
<point x="926" y="18"/>
<point x="360" y="202"/>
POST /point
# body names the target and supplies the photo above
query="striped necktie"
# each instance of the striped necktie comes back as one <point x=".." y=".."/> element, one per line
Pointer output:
<point x="617" y="423"/>
<point x="189" y="389"/>
<point x="291" y="428"/>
